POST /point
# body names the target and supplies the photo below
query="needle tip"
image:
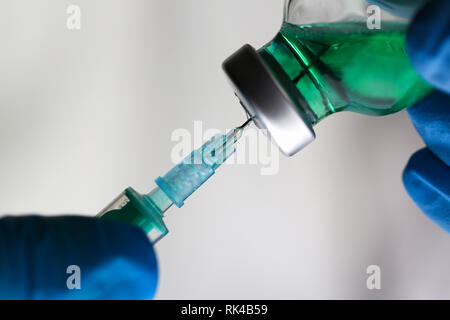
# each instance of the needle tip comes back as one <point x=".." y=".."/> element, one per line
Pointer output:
<point x="246" y="123"/>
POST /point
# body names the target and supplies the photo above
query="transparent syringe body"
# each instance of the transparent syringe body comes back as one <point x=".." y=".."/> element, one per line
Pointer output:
<point x="147" y="211"/>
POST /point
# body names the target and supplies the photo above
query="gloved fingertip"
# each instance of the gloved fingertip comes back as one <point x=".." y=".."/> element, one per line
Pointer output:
<point x="431" y="118"/>
<point x="428" y="43"/>
<point x="427" y="180"/>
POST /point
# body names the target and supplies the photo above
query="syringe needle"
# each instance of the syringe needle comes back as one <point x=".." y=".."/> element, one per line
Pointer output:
<point x="246" y="123"/>
<point x="220" y="148"/>
<point x="237" y="132"/>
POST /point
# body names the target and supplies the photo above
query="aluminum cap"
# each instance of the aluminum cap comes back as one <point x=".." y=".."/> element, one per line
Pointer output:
<point x="264" y="99"/>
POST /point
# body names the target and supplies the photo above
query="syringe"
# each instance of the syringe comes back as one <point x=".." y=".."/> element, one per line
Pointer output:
<point x="146" y="211"/>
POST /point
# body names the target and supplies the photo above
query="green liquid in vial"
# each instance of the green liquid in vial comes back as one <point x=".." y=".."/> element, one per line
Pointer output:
<point x="346" y="66"/>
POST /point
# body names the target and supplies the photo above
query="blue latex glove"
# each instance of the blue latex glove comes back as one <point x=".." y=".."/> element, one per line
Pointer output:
<point x="116" y="260"/>
<point x="427" y="175"/>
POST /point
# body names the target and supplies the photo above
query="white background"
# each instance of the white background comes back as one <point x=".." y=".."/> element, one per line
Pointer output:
<point x="84" y="114"/>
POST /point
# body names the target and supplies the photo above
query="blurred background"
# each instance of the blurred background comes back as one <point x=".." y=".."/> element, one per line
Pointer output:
<point x="86" y="113"/>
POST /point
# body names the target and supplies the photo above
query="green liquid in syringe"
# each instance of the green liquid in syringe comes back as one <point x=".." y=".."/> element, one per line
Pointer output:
<point x="346" y="66"/>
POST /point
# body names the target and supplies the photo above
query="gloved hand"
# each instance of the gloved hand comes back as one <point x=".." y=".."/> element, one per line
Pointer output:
<point x="115" y="261"/>
<point x="427" y="175"/>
